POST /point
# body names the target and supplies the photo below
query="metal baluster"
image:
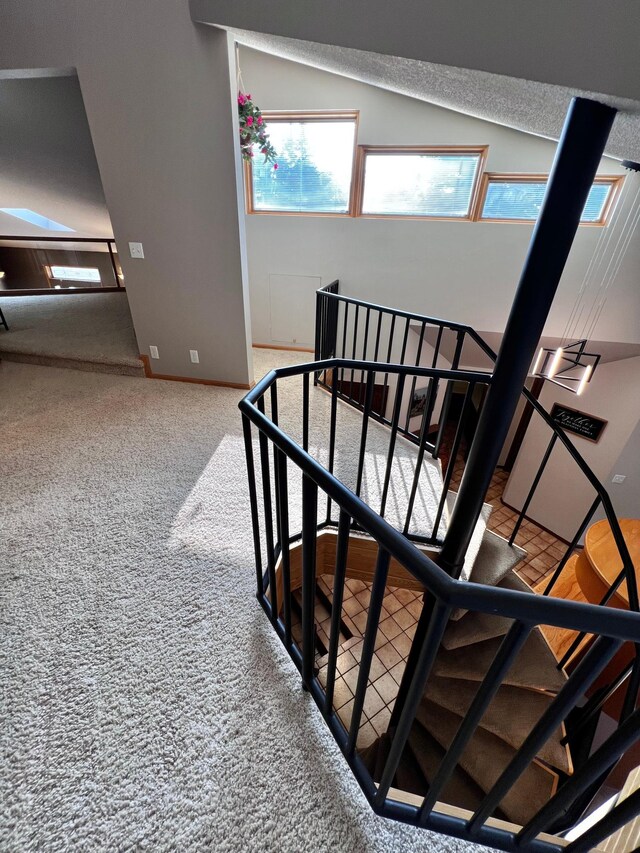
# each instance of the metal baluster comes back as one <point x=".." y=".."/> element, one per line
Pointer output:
<point x="309" y="535"/>
<point x="605" y="600"/>
<point x="364" y="352"/>
<point x="375" y="350"/>
<point x="573" y="544"/>
<point x="268" y="516"/>
<point x="274" y="418"/>
<point x="600" y="762"/>
<point x="444" y="412"/>
<point x="388" y="360"/>
<point x="424" y="429"/>
<point x="627" y="810"/>
<point x="332" y="431"/>
<point x="427" y="656"/>
<point x="339" y="576"/>
<point x="368" y="644"/>
<point x="365" y="425"/>
<point x="283" y="500"/>
<point x="344" y="343"/>
<point x="253" y="501"/>
<point x="454" y="454"/>
<point x="585" y="674"/>
<point x="413" y="383"/>
<point x="502" y="663"/>
<point x="533" y="488"/>
<point x="392" y="441"/>
<point x="305" y="411"/>
<point x="353" y="352"/>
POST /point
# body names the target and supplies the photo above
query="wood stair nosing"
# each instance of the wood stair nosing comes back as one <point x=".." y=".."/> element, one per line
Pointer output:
<point x="484" y="759"/>
<point x="508" y="717"/>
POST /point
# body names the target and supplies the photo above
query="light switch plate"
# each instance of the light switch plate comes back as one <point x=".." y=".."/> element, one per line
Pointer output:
<point x="193" y="353"/>
<point x="136" y="250"/>
<point x="618" y="478"/>
<point x="153" y="351"/>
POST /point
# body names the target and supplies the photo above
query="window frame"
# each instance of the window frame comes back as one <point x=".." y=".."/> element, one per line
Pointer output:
<point x="273" y="116"/>
<point x="363" y="150"/>
<point x="616" y="181"/>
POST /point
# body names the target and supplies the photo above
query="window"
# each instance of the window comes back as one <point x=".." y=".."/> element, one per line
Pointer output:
<point x="315" y="165"/>
<point x="91" y="274"/>
<point x="34" y="218"/>
<point x="425" y="182"/>
<point x="518" y="198"/>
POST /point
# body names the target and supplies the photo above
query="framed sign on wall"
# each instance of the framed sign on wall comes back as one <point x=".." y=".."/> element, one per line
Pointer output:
<point x="578" y="423"/>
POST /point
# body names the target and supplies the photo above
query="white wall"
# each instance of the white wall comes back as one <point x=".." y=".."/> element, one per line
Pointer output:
<point x="160" y="108"/>
<point x="564" y="496"/>
<point x="461" y="271"/>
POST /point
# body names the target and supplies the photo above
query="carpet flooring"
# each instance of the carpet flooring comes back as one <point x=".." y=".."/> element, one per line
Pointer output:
<point x="146" y="702"/>
<point x="85" y="331"/>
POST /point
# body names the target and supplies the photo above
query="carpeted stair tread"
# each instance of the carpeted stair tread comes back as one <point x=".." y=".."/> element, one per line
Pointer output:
<point x="535" y="667"/>
<point x="460" y="790"/>
<point x="495" y="560"/>
<point x="475" y="627"/>
<point x="478" y="534"/>
<point x="510" y="716"/>
<point x="484" y="759"/>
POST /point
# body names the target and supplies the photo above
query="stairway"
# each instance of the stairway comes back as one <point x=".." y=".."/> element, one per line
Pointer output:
<point x="469" y="645"/>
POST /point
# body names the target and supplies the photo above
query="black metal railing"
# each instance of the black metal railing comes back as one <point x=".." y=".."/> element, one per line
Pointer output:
<point x="75" y="286"/>
<point x="350" y="328"/>
<point x="278" y="527"/>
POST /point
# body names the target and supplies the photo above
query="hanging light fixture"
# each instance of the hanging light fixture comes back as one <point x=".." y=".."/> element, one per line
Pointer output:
<point x="570" y="365"/>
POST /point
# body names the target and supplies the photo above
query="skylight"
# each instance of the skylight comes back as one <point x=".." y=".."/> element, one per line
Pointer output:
<point x="34" y="218"/>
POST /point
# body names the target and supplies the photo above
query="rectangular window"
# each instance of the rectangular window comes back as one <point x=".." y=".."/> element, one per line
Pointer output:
<point x="315" y="155"/>
<point x="91" y="274"/>
<point x="518" y="198"/>
<point x="423" y="182"/>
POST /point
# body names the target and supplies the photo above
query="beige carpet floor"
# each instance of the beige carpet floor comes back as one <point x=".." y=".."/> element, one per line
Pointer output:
<point x="146" y="702"/>
<point x="86" y="331"/>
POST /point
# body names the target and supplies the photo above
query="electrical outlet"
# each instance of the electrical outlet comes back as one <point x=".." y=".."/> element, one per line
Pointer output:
<point x="193" y="353"/>
<point x="136" y="250"/>
<point x="154" y="352"/>
<point x="618" y="478"/>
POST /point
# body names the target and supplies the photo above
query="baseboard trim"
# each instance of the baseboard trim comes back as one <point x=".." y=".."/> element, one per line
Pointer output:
<point x="148" y="372"/>
<point x="537" y="523"/>
<point x="282" y="347"/>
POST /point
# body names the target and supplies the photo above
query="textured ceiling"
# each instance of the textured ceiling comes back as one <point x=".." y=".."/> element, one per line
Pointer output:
<point x="537" y="108"/>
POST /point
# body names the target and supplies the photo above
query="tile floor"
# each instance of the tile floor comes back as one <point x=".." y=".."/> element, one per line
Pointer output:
<point x="400" y="613"/>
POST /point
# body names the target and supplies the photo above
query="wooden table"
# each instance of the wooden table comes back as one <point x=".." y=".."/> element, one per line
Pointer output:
<point x="602" y="553"/>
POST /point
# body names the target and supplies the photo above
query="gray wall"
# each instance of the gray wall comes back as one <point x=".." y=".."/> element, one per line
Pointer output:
<point x="47" y="157"/>
<point x="563" y="496"/>
<point x="462" y="271"/>
<point x="626" y="496"/>
<point x="160" y="108"/>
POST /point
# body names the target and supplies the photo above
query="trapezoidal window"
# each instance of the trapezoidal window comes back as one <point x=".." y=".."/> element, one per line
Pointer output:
<point x="315" y="157"/>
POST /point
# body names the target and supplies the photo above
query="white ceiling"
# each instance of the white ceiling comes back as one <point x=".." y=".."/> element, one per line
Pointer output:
<point x="47" y="161"/>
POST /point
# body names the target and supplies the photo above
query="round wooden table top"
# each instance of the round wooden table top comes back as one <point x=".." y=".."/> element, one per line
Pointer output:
<point x="600" y="548"/>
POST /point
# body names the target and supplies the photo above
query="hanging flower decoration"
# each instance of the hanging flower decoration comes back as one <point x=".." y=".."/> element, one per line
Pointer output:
<point x="253" y="131"/>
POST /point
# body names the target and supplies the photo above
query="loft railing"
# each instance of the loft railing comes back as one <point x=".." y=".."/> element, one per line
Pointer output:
<point x="79" y="286"/>
<point x="352" y="328"/>
<point x="274" y="502"/>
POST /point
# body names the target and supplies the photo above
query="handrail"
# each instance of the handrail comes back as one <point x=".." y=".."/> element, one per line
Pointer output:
<point x="523" y="606"/>
<point x="327" y="293"/>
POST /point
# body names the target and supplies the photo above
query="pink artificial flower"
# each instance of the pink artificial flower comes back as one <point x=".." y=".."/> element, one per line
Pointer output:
<point x="249" y="121"/>
<point x="242" y="99"/>
<point x="264" y="150"/>
<point x="275" y="165"/>
<point x="248" y="97"/>
<point x="259" y="120"/>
